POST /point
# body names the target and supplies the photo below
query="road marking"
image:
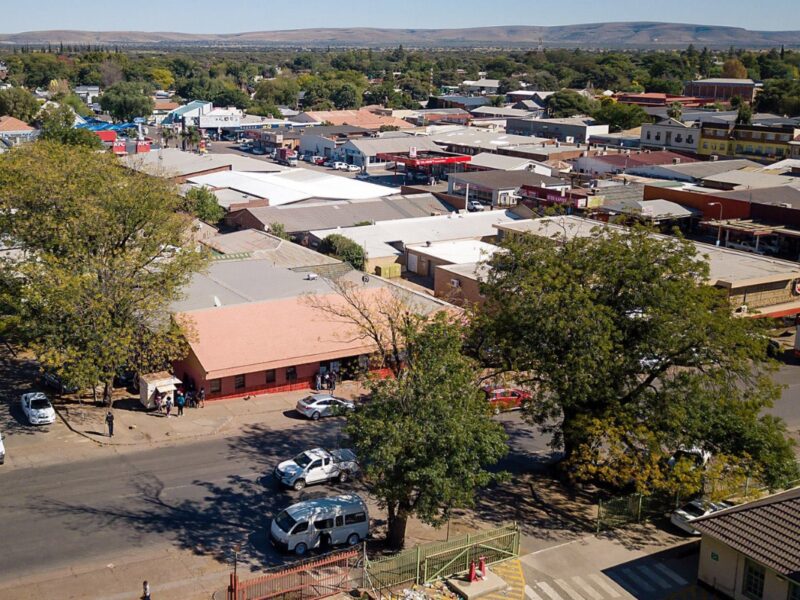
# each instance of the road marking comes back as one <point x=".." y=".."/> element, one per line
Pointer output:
<point x="548" y="590"/>
<point x="569" y="589"/>
<point x="603" y="585"/>
<point x="633" y="580"/>
<point x="650" y="573"/>
<point x="587" y="589"/>
<point x="671" y="574"/>
<point x="531" y="594"/>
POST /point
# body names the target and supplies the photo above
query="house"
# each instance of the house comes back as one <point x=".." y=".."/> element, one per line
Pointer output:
<point x="723" y="89"/>
<point x="481" y="86"/>
<point x="671" y="134"/>
<point x="88" y="93"/>
<point x="767" y="143"/>
<point x="499" y="188"/>
<point x="298" y="219"/>
<point x="327" y="141"/>
<point x="3" y="70"/>
<point x="258" y="328"/>
<point x="752" y="551"/>
<point x="624" y="162"/>
<point x="366" y="152"/>
<point x="161" y="108"/>
<point x="363" y="117"/>
<point x="570" y="130"/>
<point x="530" y="100"/>
<point x="385" y="242"/>
<point x="13" y="131"/>
<point x="466" y="103"/>
<point x="487" y="161"/>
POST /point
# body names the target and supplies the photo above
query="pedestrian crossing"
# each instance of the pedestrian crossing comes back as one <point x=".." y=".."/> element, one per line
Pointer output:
<point x="643" y="581"/>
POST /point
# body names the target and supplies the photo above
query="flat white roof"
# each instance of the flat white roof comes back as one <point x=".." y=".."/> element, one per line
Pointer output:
<point x="457" y="251"/>
<point x="173" y="162"/>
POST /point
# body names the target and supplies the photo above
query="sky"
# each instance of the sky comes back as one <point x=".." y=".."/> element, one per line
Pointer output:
<point x="232" y="16"/>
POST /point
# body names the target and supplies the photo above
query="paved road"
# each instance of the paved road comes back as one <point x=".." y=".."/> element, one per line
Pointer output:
<point x="203" y="497"/>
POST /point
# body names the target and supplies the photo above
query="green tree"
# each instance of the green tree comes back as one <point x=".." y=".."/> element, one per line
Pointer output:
<point x="744" y="116"/>
<point x="734" y="69"/>
<point x="567" y="103"/>
<point x="18" y="103"/>
<point x="618" y="328"/>
<point x="105" y="254"/>
<point x="278" y="230"/>
<point x="162" y="77"/>
<point x="346" y="96"/>
<point x="56" y="124"/>
<point x="203" y="204"/>
<point x="619" y="116"/>
<point x="78" y="105"/>
<point x="675" y="111"/>
<point x="344" y="249"/>
<point x="426" y="437"/>
<point x="127" y="100"/>
<point x="190" y="138"/>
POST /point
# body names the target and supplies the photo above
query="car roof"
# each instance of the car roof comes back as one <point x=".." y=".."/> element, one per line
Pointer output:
<point x="318" y="397"/>
<point x="316" y="453"/>
<point x="35" y="396"/>
<point x="308" y="508"/>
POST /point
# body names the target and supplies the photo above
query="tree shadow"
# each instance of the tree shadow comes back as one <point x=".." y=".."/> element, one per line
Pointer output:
<point x="17" y="376"/>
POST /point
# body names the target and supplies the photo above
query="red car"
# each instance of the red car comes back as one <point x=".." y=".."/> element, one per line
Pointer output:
<point x="320" y="161"/>
<point x="503" y="399"/>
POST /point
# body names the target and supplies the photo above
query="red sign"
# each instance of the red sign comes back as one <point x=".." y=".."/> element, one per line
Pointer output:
<point x="119" y="147"/>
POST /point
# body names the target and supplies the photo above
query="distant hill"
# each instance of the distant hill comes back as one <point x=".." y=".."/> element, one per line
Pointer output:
<point x="593" y="35"/>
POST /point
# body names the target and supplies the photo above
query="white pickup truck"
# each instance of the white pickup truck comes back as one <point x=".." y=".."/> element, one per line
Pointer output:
<point x="317" y="466"/>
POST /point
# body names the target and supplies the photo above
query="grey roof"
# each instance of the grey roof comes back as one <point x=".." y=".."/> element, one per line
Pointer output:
<point x="501" y="162"/>
<point x="725" y="80"/>
<point x="260" y="244"/>
<point x="323" y="215"/>
<point x="173" y="162"/>
<point x="500" y="111"/>
<point x="656" y="210"/>
<point x="700" y="170"/>
<point x="506" y="179"/>
<point x="767" y="531"/>
<point x="334" y="130"/>
<point x="784" y="194"/>
<point x="751" y="179"/>
<point x="373" y="146"/>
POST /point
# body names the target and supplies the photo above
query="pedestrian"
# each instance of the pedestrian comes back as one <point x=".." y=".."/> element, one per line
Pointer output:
<point x="145" y="591"/>
<point x="317" y="381"/>
<point x="201" y="397"/>
<point x="327" y="380"/>
<point x="110" y="423"/>
<point x="157" y="400"/>
<point x="181" y="402"/>
<point x="168" y="405"/>
<point x="333" y="380"/>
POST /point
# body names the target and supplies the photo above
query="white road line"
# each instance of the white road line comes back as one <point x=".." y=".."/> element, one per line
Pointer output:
<point x="671" y="574"/>
<point x="587" y="589"/>
<point x="603" y="585"/>
<point x="531" y="594"/>
<point x="569" y="589"/>
<point x="638" y="582"/>
<point x="653" y="576"/>
<point x="545" y="587"/>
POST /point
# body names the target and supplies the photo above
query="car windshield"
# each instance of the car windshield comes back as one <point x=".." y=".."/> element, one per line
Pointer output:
<point x="302" y="459"/>
<point x="694" y="510"/>
<point x="285" y="521"/>
<point x="40" y="403"/>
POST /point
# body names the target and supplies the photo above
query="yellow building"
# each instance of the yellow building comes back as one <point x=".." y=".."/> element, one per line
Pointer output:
<point x="748" y="141"/>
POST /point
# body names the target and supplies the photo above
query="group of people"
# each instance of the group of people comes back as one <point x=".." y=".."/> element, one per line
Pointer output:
<point x="183" y="398"/>
<point x="326" y="381"/>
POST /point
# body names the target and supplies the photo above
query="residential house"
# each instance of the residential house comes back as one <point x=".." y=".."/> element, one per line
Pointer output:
<point x="653" y="99"/>
<point x="13" y="131"/>
<point x="671" y="134"/>
<point x="161" y="108"/>
<point x="752" y="551"/>
<point x="88" y="93"/>
<point x="571" y="130"/>
<point x="723" y="89"/>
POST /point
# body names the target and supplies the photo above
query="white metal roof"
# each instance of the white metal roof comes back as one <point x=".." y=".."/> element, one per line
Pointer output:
<point x="457" y="251"/>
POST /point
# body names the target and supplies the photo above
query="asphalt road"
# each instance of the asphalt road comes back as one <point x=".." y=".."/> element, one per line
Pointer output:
<point x="203" y="497"/>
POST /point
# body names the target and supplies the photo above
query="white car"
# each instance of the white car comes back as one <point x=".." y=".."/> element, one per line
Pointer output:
<point x="2" y="450"/>
<point x="682" y="517"/>
<point x="339" y="166"/>
<point x="317" y="466"/>
<point x="323" y="405"/>
<point x="353" y="168"/>
<point x="37" y="409"/>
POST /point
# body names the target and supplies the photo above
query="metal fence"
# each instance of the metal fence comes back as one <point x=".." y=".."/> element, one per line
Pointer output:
<point x="634" y="508"/>
<point x="441" y="559"/>
<point x="308" y="581"/>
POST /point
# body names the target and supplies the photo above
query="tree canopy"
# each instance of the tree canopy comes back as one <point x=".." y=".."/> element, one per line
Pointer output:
<point x="345" y="249"/>
<point x="618" y="116"/>
<point x="203" y="204"/>
<point x="127" y="100"/>
<point x="618" y="333"/>
<point x="568" y="103"/>
<point x="56" y="124"/>
<point x="105" y="252"/>
<point x="18" y="103"/>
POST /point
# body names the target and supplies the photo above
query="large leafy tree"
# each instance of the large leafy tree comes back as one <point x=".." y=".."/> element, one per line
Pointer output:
<point x="425" y="436"/>
<point x="105" y="251"/>
<point x="203" y="204"/>
<point x="19" y="103"/>
<point x="127" y="100"/>
<point x="618" y="116"/>
<point x="56" y="124"/>
<point x="568" y="103"/>
<point x="618" y="333"/>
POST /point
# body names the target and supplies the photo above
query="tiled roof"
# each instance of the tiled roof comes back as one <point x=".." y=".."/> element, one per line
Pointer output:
<point x="767" y="531"/>
<point x="358" y="118"/>
<point x="13" y="124"/>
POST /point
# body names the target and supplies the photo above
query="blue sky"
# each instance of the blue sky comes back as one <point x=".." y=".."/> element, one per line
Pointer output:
<point x="229" y="16"/>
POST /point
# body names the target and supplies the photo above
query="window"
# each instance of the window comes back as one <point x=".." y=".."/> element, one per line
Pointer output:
<point x="291" y="373"/>
<point x="794" y="591"/>
<point x="315" y="465"/>
<point x="705" y="145"/>
<point x="753" y="584"/>
<point x="215" y="386"/>
<point x="690" y="139"/>
<point x="679" y="138"/>
<point x="323" y="524"/>
<point x="359" y="517"/>
<point x="339" y="521"/>
<point x="648" y="135"/>
<point x="238" y="382"/>
<point x="271" y="376"/>
<point x="300" y="527"/>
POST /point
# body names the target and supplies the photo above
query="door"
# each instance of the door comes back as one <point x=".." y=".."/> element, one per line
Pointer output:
<point x="315" y="472"/>
<point x="412" y="262"/>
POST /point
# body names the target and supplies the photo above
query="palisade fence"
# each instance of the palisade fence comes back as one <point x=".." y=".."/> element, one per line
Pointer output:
<point x="441" y="559"/>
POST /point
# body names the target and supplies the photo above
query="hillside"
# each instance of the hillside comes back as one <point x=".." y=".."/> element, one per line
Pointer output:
<point x="593" y="35"/>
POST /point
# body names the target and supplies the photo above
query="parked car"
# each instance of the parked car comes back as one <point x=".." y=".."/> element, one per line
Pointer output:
<point x="363" y="176"/>
<point x="320" y="161"/>
<point x="37" y="409"/>
<point x="317" y="466"/>
<point x="682" y="517"/>
<point x="697" y="455"/>
<point x="474" y="206"/>
<point x="328" y="163"/>
<point x="746" y="246"/>
<point x="2" y="450"/>
<point x="339" y="166"/>
<point x="353" y="168"/>
<point x="55" y="382"/>
<point x="323" y="405"/>
<point x="246" y="147"/>
<point x="323" y="522"/>
<point x="258" y="150"/>
<point x="502" y="399"/>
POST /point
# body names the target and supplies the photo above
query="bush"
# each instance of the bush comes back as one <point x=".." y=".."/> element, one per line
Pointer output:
<point x="345" y="249"/>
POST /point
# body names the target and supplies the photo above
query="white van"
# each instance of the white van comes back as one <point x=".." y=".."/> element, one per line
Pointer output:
<point x="322" y="522"/>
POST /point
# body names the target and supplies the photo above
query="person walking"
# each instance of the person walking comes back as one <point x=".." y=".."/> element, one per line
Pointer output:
<point x="168" y="405"/>
<point x="333" y="381"/>
<point x="201" y="397"/>
<point x="110" y="423"/>
<point x="181" y="402"/>
<point x="145" y="591"/>
<point x="327" y="380"/>
<point x="317" y="381"/>
<point x="157" y="401"/>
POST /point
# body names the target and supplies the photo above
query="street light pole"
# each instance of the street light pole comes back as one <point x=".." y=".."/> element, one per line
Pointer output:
<point x="719" y="222"/>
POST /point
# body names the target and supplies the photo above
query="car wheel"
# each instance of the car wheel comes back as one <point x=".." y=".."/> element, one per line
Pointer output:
<point x="353" y="539"/>
<point x="343" y="477"/>
<point x="315" y="416"/>
<point x="300" y="549"/>
<point x="299" y="485"/>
